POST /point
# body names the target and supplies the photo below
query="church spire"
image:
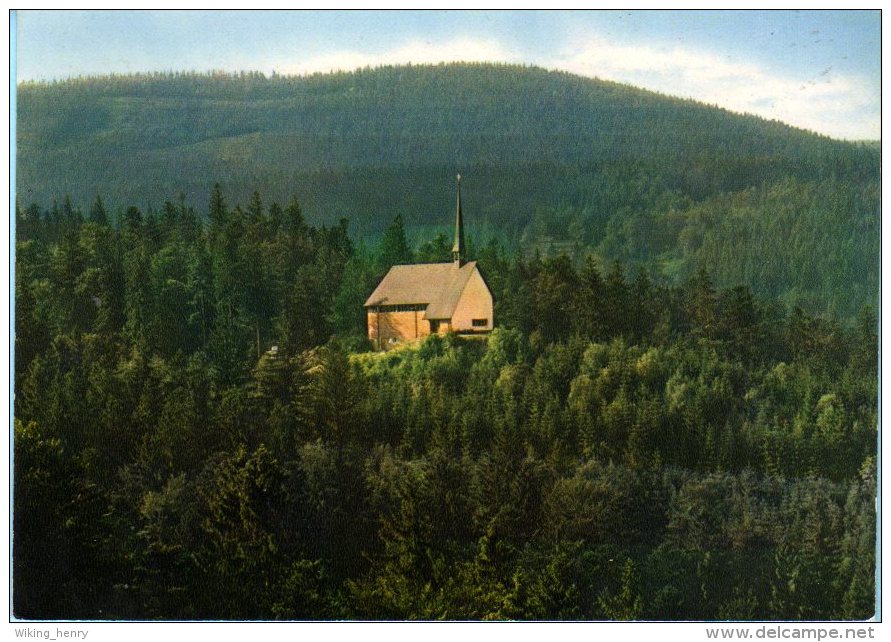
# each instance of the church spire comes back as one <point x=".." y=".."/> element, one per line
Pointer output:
<point x="458" y="247"/>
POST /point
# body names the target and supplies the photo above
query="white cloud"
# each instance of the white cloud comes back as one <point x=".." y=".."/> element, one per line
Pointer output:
<point x="829" y="103"/>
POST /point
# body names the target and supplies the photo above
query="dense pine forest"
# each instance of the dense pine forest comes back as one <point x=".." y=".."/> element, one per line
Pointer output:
<point x="675" y="417"/>
<point x="201" y="431"/>
<point x="563" y="164"/>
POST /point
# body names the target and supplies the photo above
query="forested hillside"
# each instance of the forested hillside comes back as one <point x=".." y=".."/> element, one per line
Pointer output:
<point x="200" y="434"/>
<point x="682" y="386"/>
<point x="551" y="159"/>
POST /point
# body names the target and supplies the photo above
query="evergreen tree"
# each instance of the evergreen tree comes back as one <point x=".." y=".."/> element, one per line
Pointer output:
<point x="394" y="249"/>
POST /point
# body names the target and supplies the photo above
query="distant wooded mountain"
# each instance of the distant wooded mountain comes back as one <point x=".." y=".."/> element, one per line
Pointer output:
<point x="551" y="160"/>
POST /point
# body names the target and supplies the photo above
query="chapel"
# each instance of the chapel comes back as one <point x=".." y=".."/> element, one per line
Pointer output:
<point x="415" y="301"/>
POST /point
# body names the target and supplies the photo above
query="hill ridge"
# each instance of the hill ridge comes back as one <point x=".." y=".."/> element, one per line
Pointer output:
<point x="621" y="171"/>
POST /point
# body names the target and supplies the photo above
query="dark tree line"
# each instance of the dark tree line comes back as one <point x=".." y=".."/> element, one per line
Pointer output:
<point x="201" y="433"/>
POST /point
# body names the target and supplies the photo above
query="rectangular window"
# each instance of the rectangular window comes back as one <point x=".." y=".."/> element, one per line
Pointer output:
<point x="480" y="323"/>
<point x="403" y="307"/>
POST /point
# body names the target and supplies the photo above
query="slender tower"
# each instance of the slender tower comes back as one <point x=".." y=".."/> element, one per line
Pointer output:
<point x="458" y="247"/>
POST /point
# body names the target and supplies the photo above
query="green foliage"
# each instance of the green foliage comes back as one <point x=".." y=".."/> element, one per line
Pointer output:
<point x="200" y="435"/>
<point x="570" y="165"/>
<point x="394" y="248"/>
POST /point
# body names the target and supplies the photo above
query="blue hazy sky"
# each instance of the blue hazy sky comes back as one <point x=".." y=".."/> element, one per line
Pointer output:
<point x="819" y="70"/>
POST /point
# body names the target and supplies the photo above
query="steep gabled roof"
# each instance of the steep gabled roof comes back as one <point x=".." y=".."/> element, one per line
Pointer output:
<point x="436" y="285"/>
